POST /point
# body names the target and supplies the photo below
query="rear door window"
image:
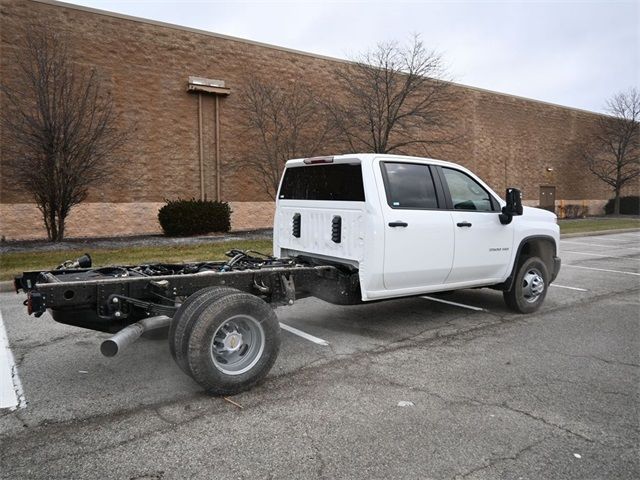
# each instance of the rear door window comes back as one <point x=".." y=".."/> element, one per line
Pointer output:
<point x="409" y="185"/>
<point x="337" y="182"/>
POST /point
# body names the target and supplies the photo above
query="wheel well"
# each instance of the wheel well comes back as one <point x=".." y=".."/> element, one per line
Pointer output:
<point x="543" y="248"/>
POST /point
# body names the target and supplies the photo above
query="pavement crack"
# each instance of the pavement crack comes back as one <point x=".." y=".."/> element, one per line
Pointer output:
<point x="381" y="380"/>
<point x="614" y="362"/>
<point x="492" y="462"/>
<point x="322" y="464"/>
<point x="592" y="357"/>
<point x="18" y="359"/>
<point x="26" y="345"/>
<point x="611" y="392"/>
<point x="506" y="406"/>
<point x="464" y="400"/>
<point x="108" y="416"/>
<point x="169" y="426"/>
<point x="164" y="418"/>
<point x="159" y="475"/>
<point x="112" y="446"/>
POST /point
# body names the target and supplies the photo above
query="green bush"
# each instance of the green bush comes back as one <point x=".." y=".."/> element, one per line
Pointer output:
<point x="628" y="205"/>
<point x="192" y="217"/>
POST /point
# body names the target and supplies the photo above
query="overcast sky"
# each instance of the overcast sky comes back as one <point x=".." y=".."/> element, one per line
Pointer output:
<point x="574" y="53"/>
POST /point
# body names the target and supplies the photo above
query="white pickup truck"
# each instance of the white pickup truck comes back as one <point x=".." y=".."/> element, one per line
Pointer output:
<point x="348" y="229"/>
<point x="411" y="226"/>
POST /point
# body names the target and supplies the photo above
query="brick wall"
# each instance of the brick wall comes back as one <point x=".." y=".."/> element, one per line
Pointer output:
<point x="23" y="221"/>
<point x="506" y="140"/>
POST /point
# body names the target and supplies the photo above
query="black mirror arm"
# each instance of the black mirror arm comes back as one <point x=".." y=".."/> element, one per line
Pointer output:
<point x="505" y="217"/>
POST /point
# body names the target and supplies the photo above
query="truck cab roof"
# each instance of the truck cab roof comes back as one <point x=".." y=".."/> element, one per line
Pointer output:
<point x="367" y="158"/>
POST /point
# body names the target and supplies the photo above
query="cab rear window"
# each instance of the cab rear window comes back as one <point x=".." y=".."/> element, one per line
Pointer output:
<point x="337" y="182"/>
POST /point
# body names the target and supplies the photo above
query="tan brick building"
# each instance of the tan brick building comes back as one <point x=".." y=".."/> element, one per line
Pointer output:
<point x="145" y="65"/>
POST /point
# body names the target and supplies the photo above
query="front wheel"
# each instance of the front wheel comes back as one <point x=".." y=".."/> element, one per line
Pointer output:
<point x="529" y="288"/>
<point x="233" y="343"/>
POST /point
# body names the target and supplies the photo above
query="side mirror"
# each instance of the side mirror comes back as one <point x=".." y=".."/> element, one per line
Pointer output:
<point x="513" y="207"/>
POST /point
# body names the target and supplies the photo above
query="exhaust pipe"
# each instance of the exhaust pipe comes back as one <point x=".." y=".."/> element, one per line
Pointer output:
<point x="130" y="334"/>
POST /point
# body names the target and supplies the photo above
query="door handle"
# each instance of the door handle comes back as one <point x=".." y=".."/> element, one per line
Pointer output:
<point x="398" y="224"/>
<point x="463" y="224"/>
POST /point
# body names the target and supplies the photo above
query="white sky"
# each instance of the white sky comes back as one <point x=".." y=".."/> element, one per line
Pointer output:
<point x="574" y="53"/>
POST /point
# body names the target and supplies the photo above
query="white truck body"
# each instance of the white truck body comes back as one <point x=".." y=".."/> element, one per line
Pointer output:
<point x="451" y="244"/>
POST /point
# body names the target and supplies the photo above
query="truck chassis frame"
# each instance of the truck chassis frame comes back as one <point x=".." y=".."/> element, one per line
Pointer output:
<point x="111" y="302"/>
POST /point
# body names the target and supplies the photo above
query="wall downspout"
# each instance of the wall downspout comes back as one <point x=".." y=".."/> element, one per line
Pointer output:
<point x="217" y="133"/>
<point x="201" y="147"/>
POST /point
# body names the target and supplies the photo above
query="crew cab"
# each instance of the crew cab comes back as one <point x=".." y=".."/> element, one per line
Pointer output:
<point x="413" y="225"/>
<point x="348" y="229"/>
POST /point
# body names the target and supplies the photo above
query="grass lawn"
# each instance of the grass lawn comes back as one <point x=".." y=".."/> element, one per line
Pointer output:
<point x="12" y="264"/>
<point x="597" y="224"/>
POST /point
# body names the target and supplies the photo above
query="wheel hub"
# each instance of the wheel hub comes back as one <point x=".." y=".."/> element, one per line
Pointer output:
<point x="232" y="342"/>
<point x="237" y="345"/>
<point x="532" y="285"/>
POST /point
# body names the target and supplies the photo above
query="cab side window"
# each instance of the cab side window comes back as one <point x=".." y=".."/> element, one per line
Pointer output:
<point x="409" y="185"/>
<point x="466" y="193"/>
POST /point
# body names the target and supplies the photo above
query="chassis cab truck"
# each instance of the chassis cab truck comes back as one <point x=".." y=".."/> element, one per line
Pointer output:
<point x="348" y="229"/>
<point x="411" y="226"/>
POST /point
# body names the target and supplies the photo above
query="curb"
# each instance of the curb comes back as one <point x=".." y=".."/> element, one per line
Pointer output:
<point x="7" y="286"/>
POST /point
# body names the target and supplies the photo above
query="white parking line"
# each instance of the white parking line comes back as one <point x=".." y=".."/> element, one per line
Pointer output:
<point x="597" y="244"/>
<point x="304" y="335"/>
<point x="603" y="270"/>
<point x="598" y="255"/>
<point x="456" y="304"/>
<point x="11" y="395"/>
<point x="569" y="288"/>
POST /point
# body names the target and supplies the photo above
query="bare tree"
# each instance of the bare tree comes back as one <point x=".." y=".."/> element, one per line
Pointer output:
<point x="286" y="122"/>
<point x="394" y="97"/>
<point x="59" y="127"/>
<point x="613" y="153"/>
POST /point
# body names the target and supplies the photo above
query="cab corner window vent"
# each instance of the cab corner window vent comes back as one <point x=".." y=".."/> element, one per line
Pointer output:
<point x="336" y="229"/>
<point x="295" y="230"/>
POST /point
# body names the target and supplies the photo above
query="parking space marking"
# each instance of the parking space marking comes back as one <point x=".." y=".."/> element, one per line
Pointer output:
<point x="597" y="244"/>
<point x="11" y="395"/>
<point x="603" y="270"/>
<point x="598" y="255"/>
<point x="569" y="288"/>
<point x="456" y="304"/>
<point x="304" y="335"/>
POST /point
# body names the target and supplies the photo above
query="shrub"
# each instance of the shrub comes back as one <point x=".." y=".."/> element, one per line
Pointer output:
<point x="192" y="217"/>
<point x="628" y="205"/>
<point x="572" y="211"/>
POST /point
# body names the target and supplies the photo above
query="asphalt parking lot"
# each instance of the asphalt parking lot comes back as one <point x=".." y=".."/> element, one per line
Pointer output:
<point x="489" y="394"/>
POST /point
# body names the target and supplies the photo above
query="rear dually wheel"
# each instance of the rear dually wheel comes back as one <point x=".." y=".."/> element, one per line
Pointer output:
<point x="233" y="343"/>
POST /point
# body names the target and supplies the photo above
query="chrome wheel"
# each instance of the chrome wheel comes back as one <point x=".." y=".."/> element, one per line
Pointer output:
<point x="532" y="285"/>
<point x="237" y="345"/>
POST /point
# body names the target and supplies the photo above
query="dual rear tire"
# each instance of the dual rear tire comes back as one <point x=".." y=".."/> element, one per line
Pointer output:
<point x="225" y="339"/>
